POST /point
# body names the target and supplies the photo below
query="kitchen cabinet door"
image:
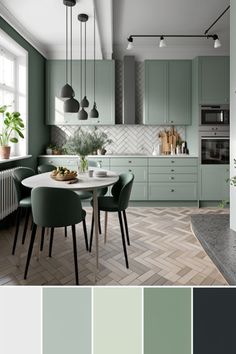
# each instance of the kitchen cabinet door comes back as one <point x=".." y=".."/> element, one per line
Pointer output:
<point x="105" y="92"/>
<point x="167" y="92"/>
<point x="179" y="92"/>
<point x="214" y="80"/>
<point x="214" y="183"/>
<point x="156" y="92"/>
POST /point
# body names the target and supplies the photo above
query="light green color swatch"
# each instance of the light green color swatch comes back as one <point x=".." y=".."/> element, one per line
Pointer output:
<point x="66" y="321"/>
<point x="167" y="321"/>
<point x="117" y="321"/>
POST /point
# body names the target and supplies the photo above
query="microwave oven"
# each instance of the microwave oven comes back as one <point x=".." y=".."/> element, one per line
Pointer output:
<point x="214" y="115"/>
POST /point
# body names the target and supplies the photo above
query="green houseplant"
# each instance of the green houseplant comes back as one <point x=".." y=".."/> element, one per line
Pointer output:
<point x="80" y="144"/>
<point x="11" y="128"/>
<point x="99" y="141"/>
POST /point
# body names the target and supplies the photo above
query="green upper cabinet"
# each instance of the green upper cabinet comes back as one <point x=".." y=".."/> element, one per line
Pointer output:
<point x="105" y="92"/>
<point x="167" y="92"/>
<point x="156" y="92"/>
<point x="214" y="80"/>
<point x="179" y="92"/>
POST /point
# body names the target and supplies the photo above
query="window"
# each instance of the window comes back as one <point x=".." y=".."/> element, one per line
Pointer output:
<point x="13" y="86"/>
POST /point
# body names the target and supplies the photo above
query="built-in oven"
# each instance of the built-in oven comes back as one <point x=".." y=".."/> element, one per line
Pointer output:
<point x="214" y="147"/>
<point x="214" y="115"/>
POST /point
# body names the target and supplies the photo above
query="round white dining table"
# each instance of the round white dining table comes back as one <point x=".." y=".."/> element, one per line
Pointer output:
<point x="84" y="183"/>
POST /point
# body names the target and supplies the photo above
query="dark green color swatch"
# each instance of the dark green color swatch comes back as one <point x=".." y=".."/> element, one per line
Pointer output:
<point x="167" y="321"/>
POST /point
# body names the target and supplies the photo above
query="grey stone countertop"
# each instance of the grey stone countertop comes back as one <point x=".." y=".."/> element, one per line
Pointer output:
<point x="126" y="155"/>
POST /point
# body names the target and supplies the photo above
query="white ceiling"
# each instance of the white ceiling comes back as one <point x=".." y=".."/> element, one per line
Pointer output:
<point x="169" y="17"/>
<point x="42" y="22"/>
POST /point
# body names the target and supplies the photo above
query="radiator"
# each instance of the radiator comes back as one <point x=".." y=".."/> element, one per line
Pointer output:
<point x="8" y="199"/>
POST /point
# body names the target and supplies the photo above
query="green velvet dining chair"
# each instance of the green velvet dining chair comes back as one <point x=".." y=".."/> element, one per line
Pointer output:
<point x="118" y="202"/>
<point x="54" y="208"/>
<point x="44" y="168"/>
<point x="23" y="199"/>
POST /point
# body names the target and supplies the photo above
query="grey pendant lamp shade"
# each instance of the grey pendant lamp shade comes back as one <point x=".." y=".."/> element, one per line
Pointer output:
<point x="83" y="115"/>
<point x="94" y="112"/>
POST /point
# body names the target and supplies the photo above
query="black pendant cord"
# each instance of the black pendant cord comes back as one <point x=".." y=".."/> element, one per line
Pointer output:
<point x="66" y="45"/>
<point x="85" y="57"/>
<point x="71" y="46"/>
<point x="94" y="53"/>
<point x="81" y="63"/>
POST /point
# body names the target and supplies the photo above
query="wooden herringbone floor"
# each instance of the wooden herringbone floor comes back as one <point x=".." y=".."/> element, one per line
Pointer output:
<point x="163" y="251"/>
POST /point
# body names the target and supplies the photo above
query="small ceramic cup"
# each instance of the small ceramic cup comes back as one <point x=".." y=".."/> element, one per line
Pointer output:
<point x="90" y="173"/>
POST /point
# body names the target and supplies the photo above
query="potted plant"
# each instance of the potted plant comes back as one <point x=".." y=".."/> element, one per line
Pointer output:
<point x="80" y="144"/>
<point x="99" y="141"/>
<point x="11" y="128"/>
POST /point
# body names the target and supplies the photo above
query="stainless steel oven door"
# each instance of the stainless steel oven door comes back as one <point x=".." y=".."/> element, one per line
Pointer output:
<point x="214" y="150"/>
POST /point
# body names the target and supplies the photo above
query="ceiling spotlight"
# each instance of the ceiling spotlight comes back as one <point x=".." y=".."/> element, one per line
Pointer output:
<point x="217" y="43"/>
<point x="162" y="43"/>
<point x="130" y="43"/>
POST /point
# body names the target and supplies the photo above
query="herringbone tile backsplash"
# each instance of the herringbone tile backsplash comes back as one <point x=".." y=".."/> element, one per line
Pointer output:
<point x="125" y="138"/>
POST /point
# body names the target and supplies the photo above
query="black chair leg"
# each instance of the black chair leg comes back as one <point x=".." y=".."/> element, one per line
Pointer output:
<point x="65" y="231"/>
<point x="123" y="239"/>
<point x="51" y="241"/>
<point x="85" y="234"/>
<point x="75" y="254"/>
<point x="99" y="222"/>
<point x="42" y="239"/>
<point x="18" y="215"/>
<point x="126" y="227"/>
<point x="91" y="234"/>
<point x="31" y="245"/>
<point x="26" y="225"/>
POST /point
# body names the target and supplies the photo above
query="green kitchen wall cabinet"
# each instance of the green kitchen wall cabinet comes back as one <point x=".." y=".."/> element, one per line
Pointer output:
<point x="213" y="80"/>
<point x="167" y="92"/>
<point x="105" y="92"/>
<point x="167" y="321"/>
<point x="214" y="183"/>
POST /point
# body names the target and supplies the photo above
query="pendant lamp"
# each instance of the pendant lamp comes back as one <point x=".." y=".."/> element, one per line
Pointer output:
<point x="94" y="112"/>
<point x="83" y="115"/>
<point x="71" y="105"/>
<point x="67" y="90"/>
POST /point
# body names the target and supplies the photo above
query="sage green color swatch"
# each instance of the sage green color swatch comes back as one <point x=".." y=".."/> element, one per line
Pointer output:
<point x="67" y="321"/>
<point x="167" y="321"/>
<point x="117" y="321"/>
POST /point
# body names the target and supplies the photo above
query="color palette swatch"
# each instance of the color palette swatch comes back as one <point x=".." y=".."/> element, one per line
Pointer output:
<point x="117" y="320"/>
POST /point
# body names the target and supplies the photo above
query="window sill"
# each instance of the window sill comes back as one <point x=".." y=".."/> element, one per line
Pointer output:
<point x="15" y="158"/>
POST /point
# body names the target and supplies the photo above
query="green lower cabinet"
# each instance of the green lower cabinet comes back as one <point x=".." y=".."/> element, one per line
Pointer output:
<point x="139" y="192"/>
<point x="172" y="191"/>
<point x="167" y="321"/>
<point x="214" y="184"/>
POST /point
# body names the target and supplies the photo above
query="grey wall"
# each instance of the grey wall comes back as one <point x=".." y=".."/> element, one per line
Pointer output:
<point x="39" y="133"/>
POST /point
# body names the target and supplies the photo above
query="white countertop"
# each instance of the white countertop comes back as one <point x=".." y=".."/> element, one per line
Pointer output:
<point x="125" y="155"/>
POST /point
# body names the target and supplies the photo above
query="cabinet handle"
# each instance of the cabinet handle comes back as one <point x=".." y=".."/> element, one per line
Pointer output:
<point x="130" y="161"/>
<point x="172" y="170"/>
<point x="130" y="170"/>
<point x="172" y="178"/>
<point x="172" y="190"/>
<point x="172" y="121"/>
<point x="172" y="161"/>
